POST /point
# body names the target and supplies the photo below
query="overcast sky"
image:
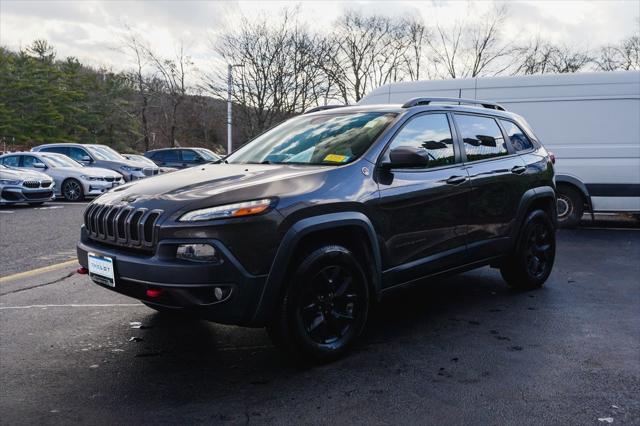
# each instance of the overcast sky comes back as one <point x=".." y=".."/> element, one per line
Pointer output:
<point x="92" y="30"/>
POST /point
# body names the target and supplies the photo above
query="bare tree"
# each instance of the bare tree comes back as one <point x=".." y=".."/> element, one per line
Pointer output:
<point x="280" y="73"/>
<point x="623" y="56"/>
<point x="368" y="51"/>
<point x="138" y="76"/>
<point x="471" y="49"/>
<point x="172" y="75"/>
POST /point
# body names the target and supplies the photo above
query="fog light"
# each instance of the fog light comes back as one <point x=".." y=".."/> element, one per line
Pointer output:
<point x="197" y="252"/>
<point x="217" y="292"/>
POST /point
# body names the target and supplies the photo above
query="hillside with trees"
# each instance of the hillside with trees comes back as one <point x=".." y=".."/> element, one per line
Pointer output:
<point x="286" y="68"/>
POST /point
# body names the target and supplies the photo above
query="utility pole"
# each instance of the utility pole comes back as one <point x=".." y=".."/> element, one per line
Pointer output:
<point x="229" y="113"/>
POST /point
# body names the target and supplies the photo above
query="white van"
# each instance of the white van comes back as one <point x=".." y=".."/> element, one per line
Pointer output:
<point x="590" y="121"/>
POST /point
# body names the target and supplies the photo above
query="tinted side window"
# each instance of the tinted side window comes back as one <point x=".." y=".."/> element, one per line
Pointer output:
<point x="28" y="160"/>
<point x="13" y="161"/>
<point x="77" y="153"/>
<point x="189" y="156"/>
<point x="518" y="139"/>
<point x="57" y="149"/>
<point x="171" y="156"/>
<point x="481" y="136"/>
<point x="429" y="131"/>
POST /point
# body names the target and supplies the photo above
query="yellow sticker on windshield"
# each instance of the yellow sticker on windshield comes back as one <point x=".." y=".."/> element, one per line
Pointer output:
<point x="335" y="158"/>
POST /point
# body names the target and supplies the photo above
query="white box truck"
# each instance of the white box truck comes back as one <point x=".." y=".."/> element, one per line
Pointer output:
<point x="590" y="121"/>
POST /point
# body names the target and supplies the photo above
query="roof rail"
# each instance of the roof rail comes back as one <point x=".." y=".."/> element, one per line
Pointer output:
<point x="426" y="101"/>
<point x="322" y="108"/>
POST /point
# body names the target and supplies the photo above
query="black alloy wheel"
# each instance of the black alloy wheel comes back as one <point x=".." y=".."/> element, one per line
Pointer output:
<point x="532" y="260"/>
<point x="330" y="304"/>
<point x="72" y="190"/>
<point x="325" y="306"/>
<point x="538" y="249"/>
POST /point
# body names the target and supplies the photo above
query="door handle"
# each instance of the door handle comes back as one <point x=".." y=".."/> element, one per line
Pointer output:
<point x="518" y="170"/>
<point x="456" y="180"/>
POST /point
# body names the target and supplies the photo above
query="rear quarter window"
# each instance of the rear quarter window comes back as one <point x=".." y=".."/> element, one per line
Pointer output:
<point x="517" y="136"/>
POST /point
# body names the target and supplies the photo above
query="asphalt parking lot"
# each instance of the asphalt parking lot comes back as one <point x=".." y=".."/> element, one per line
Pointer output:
<point x="460" y="350"/>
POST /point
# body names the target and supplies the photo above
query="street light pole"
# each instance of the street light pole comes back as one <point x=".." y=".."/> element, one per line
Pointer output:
<point x="229" y="113"/>
<point x="229" y="120"/>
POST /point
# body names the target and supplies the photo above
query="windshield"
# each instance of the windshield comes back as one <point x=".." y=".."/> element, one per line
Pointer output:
<point x="105" y="153"/>
<point x="207" y="154"/>
<point x="59" y="160"/>
<point x="331" y="139"/>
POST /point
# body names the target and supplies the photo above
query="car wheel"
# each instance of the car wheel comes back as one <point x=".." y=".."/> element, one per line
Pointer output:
<point x="529" y="267"/>
<point x="570" y="207"/>
<point x="325" y="306"/>
<point x="72" y="190"/>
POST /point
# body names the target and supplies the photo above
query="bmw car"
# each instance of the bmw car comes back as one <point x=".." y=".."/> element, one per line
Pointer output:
<point x="22" y="186"/>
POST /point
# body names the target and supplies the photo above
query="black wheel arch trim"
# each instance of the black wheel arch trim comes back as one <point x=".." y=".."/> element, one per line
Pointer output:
<point x="531" y="195"/>
<point x="277" y="274"/>
<point x="578" y="184"/>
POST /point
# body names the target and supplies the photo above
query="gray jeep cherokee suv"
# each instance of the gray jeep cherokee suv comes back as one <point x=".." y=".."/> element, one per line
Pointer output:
<point x="304" y="228"/>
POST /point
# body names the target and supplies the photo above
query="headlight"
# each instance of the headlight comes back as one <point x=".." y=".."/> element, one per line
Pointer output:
<point x="130" y="169"/>
<point x="10" y="182"/>
<point x="85" y="177"/>
<point x="246" y="208"/>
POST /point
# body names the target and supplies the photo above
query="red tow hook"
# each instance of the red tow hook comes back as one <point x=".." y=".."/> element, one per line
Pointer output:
<point x="552" y="156"/>
<point x="82" y="270"/>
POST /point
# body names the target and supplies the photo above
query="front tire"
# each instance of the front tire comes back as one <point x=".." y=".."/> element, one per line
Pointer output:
<point x="72" y="190"/>
<point x="325" y="306"/>
<point x="530" y="265"/>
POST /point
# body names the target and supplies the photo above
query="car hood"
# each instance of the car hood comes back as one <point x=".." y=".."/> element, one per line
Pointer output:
<point x="130" y="163"/>
<point x="88" y="171"/>
<point x="22" y="174"/>
<point x="216" y="184"/>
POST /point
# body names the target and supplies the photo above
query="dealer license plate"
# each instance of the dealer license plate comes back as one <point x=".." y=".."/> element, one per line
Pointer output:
<point x="101" y="269"/>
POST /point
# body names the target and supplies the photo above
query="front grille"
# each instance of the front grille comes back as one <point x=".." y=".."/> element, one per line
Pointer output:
<point x="148" y="172"/>
<point x="109" y="179"/>
<point x="33" y="184"/>
<point x="37" y="195"/>
<point x="122" y="225"/>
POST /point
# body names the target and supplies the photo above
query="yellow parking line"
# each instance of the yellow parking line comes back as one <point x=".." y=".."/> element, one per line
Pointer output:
<point x="33" y="272"/>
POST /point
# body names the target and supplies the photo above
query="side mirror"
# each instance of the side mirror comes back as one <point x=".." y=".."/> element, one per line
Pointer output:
<point x="39" y="165"/>
<point x="86" y="159"/>
<point x="407" y="157"/>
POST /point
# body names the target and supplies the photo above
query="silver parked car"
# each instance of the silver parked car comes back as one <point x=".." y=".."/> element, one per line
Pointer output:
<point x="24" y="186"/>
<point x="94" y="155"/>
<point x="143" y="159"/>
<point x="72" y="180"/>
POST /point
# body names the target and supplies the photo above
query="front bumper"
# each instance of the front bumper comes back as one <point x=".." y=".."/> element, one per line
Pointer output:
<point x="185" y="285"/>
<point x="95" y="188"/>
<point x="20" y="194"/>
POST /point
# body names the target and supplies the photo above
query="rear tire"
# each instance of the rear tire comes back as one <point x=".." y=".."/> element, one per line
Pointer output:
<point x="325" y="306"/>
<point x="570" y="207"/>
<point x="531" y="264"/>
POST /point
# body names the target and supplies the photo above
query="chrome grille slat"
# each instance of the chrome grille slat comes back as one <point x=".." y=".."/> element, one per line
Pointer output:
<point x="122" y="225"/>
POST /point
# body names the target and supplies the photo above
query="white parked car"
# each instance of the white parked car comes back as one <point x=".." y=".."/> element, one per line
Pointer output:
<point x="591" y="122"/>
<point x="24" y="186"/>
<point x="72" y="180"/>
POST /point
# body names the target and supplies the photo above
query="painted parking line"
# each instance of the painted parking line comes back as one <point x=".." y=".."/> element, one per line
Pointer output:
<point x="38" y="271"/>
<point x="7" y="211"/>
<point x="49" y="208"/>
<point x="74" y="305"/>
